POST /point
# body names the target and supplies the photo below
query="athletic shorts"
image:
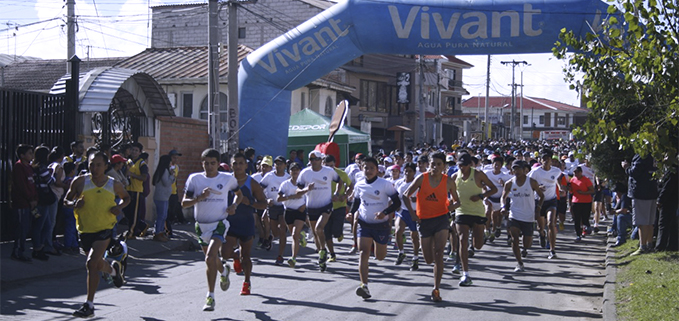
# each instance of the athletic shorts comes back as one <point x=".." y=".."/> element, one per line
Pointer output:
<point x="294" y="215"/>
<point x="87" y="239"/>
<point x="405" y="217"/>
<point x="242" y="226"/>
<point x="315" y="213"/>
<point x="470" y="220"/>
<point x="526" y="228"/>
<point x="644" y="212"/>
<point x="430" y="226"/>
<point x="276" y="211"/>
<point x="259" y="213"/>
<point x="547" y="205"/>
<point x="379" y="232"/>
<point x="495" y="203"/>
<point x="214" y="230"/>
<point x="335" y="225"/>
<point x="562" y="205"/>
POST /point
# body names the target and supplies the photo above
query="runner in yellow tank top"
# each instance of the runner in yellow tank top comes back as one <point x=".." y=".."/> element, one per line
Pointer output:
<point x="93" y="198"/>
<point x="468" y="186"/>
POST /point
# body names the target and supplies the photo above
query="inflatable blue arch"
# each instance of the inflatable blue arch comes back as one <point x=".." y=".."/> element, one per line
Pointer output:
<point x="353" y="28"/>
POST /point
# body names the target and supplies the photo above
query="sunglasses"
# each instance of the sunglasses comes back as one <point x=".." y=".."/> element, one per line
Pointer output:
<point x="314" y="158"/>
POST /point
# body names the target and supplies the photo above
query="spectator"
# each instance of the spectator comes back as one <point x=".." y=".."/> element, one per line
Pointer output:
<point x="643" y="190"/>
<point x="46" y="204"/>
<point x="116" y="169"/>
<point x="667" y="220"/>
<point x="77" y="150"/>
<point x="70" y="233"/>
<point x="55" y="159"/>
<point x="163" y="179"/>
<point x="24" y="199"/>
<point x="252" y="164"/>
<point x="623" y="214"/>
<point x="137" y="173"/>
<point x="174" y="209"/>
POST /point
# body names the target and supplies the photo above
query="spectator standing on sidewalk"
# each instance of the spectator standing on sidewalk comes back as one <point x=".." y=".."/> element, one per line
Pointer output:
<point x="55" y="159"/>
<point x="47" y="204"/>
<point x="24" y="199"/>
<point x="643" y="190"/>
<point x="163" y="178"/>
<point x="667" y="220"/>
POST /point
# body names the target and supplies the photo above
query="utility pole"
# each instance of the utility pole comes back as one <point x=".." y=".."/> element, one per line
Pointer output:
<point x="488" y="126"/>
<point x="213" y="75"/>
<point x="512" y="115"/>
<point x="70" y="32"/>
<point x="423" y="129"/>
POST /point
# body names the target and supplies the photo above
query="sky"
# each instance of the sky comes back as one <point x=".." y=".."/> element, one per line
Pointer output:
<point x="119" y="28"/>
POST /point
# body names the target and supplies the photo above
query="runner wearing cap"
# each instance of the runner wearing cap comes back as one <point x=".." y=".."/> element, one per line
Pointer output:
<point x="522" y="209"/>
<point x="316" y="181"/>
<point x="270" y="183"/>
<point x="493" y="204"/>
<point x="261" y="220"/>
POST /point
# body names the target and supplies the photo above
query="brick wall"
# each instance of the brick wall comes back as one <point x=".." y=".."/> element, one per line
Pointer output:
<point x="189" y="137"/>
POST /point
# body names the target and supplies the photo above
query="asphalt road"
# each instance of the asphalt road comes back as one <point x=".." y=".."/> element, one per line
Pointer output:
<point x="172" y="286"/>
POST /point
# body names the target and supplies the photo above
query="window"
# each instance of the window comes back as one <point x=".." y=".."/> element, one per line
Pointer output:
<point x="187" y="105"/>
<point x="302" y="101"/>
<point x="561" y="121"/>
<point x="223" y="108"/>
<point x="328" y="106"/>
<point x="449" y="108"/>
<point x="374" y="95"/>
<point x="542" y="120"/>
<point x="241" y="33"/>
<point x="525" y="120"/>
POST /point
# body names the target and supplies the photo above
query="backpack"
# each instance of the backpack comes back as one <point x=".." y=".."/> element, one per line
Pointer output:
<point x="43" y="180"/>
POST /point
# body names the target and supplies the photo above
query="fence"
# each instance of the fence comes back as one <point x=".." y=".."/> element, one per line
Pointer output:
<point x="29" y="118"/>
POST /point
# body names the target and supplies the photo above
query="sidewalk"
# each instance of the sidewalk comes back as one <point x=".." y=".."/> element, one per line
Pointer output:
<point x="13" y="273"/>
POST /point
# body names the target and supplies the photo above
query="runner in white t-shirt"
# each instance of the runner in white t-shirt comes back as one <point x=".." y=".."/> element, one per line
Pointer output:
<point x="275" y="211"/>
<point x="208" y="193"/>
<point x="493" y="202"/>
<point x="295" y="209"/>
<point x="262" y="223"/>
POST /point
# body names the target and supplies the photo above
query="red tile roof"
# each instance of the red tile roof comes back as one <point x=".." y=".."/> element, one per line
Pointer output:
<point x="528" y="103"/>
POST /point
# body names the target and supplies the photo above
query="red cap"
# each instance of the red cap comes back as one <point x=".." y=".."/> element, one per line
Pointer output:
<point x="115" y="159"/>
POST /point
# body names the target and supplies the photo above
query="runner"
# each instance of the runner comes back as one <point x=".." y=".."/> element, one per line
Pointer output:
<point x="468" y="192"/>
<point x="522" y="209"/>
<point x="493" y="207"/>
<point x="335" y="226"/>
<point x="547" y="177"/>
<point x="295" y="209"/>
<point x="262" y="222"/>
<point x="373" y="212"/>
<point x="276" y="211"/>
<point x="242" y="231"/>
<point x="316" y="180"/>
<point x="582" y="190"/>
<point x="93" y="198"/>
<point x="431" y="214"/>
<point x="403" y="219"/>
<point x="208" y="193"/>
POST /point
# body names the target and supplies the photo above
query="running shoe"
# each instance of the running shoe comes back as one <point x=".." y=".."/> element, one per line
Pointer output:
<point x="209" y="304"/>
<point x="456" y="269"/>
<point x="363" y="291"/>
<point x="519" y="268"/>
<point x="552" y="255"/>
<point x="333" y="258"/>
<point x="561" y="226"/>
<point x="470" y="252"/>
<point x="322" y="256"/>
<point x="353" y="250"/>
<point x="224" y="279"/>
<point x="491" y="238"/>
<point x="465" y="281"/>
<point x="269" y="242"/>
<point x="543" y="241"/>
<point x="436" y="295"/>
<point x="498" y="232"/>
<point x="451" y="256"/>
<point x="524" y="253"/>
<point x="260" y="242"/>
<point x="84" y="312"/>
<point x="340" y="238"/>
<point x="40" y="255"/>
<point x="400" y="258"/>
<point x="279" y="260"/>
<point x="107" y="277"/>
<point x="302" y="239"/>
<point x="547" y="245"/>
<point x="578" y="239"/>
<point x="415" y="265"/>
<point x="596" y="230"/>
<point x="237" y="267"/>
<point x="118" y="278"/>
<point x="292" y="262"/>
<point x="639" y="251"/>
<point x="246" y="288"/>
<point x="323" y="266"/>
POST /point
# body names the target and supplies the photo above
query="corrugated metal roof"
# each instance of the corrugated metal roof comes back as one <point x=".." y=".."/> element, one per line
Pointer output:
<point x="321" y="4"/>
<point x="185" y="64"/>
<point x="528" y="103"/>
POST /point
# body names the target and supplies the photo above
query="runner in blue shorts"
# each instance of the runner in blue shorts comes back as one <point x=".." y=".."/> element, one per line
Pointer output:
<point x="403" y="219"/>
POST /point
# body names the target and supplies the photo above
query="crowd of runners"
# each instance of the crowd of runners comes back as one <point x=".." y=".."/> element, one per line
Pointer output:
<point x="450" y="200"/>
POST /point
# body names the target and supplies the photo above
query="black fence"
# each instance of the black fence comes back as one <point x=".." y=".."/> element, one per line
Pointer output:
<point x="29" y="118"/>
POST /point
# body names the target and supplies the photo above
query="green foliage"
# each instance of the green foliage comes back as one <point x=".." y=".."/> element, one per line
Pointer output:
<point x="630" y="79"/>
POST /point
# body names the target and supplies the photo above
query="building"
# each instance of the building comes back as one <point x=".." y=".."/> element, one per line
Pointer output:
<point x="539" y="118"/>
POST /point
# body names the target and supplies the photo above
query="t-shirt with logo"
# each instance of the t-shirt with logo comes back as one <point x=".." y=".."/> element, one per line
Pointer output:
<point x="270" y="184"/>
<point x="321" y="194"/>
<point x="213" y="208"/>
<point x="522" y="203"/>
<point x="546" y="178"/>
<point x="375" y="198"/>
<point x="498" y="180"/>
<point x="289" y="189"/>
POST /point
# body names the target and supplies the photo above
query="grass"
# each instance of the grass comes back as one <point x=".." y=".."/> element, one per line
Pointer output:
<point x="647" y="285"/>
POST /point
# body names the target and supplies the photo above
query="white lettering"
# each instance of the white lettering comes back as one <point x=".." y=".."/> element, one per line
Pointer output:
<point x="528" y="13"/>
<point x="403" y="30"/>
<point x="481" y="25"/>
<point x="513" y="19"/>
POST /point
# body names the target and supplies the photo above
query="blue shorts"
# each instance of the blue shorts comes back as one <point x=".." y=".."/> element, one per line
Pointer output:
<point x="335" y="225"/>
<point x="548" y="205"/>
<point x="379" y="232"/>
<point x="405" y="218"/>
<point x="315" y="213"/>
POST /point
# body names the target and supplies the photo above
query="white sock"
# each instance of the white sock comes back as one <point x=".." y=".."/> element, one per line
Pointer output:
<point x="224" y="272"/>
<point x="113" y="271"/>
<point x="401" y="251"/>
<point x="91" y="304"/>
<point x="416" y="257"/>
<point x="465" y="273"/>
<point x="211" y="294"/>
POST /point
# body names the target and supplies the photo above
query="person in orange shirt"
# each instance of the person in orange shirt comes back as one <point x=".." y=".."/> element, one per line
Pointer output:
<point x="431" y="214"/>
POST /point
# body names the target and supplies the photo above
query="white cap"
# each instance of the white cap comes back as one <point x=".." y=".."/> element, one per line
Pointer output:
<point x="316" y="154"/>
<point x="388" y="160"/>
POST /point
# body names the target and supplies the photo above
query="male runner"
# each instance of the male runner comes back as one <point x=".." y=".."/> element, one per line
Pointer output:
<point x="276" y="212"/>
<point x="547" y="177"/>
<point x="208" y="193"/>
<point x="522" y="209"/>
<point x="335" y="226"/>
<point x="262" y="222"/>
<point x="316" y="180"/>
<point x="498" y="177"/>
<point x="93" y="198"/>
<point x="295" y="209"/>
<point x="404" y="219"/>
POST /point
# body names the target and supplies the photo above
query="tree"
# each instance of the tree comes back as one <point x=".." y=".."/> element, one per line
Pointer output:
<point x="630" y="68"/>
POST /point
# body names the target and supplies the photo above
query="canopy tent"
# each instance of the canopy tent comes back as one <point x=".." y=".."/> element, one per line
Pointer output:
<point x="308" y="128"/>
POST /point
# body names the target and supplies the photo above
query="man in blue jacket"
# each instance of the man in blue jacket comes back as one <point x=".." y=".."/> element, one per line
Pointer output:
<point x="643" y="190"/>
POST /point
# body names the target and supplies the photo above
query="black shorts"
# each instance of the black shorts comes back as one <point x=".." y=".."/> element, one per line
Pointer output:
<point x="294" y="215"/>
<point x="241" y="238"/>
<point x="470" y="220"/>
<point x="562" y="205"/>
<point x="315" y="213"/>
<point x="430" y="226"/>
<point x="335" y="225"/>
<point x="526" y="228"/>
<point x="547" y="205"/>
<point x="259" y="213"/>
<point x="275" y="212"/>
<point x="87" y="239"/>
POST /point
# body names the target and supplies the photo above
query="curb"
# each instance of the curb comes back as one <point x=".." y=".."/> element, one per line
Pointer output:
<point x="609" y="309"/>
